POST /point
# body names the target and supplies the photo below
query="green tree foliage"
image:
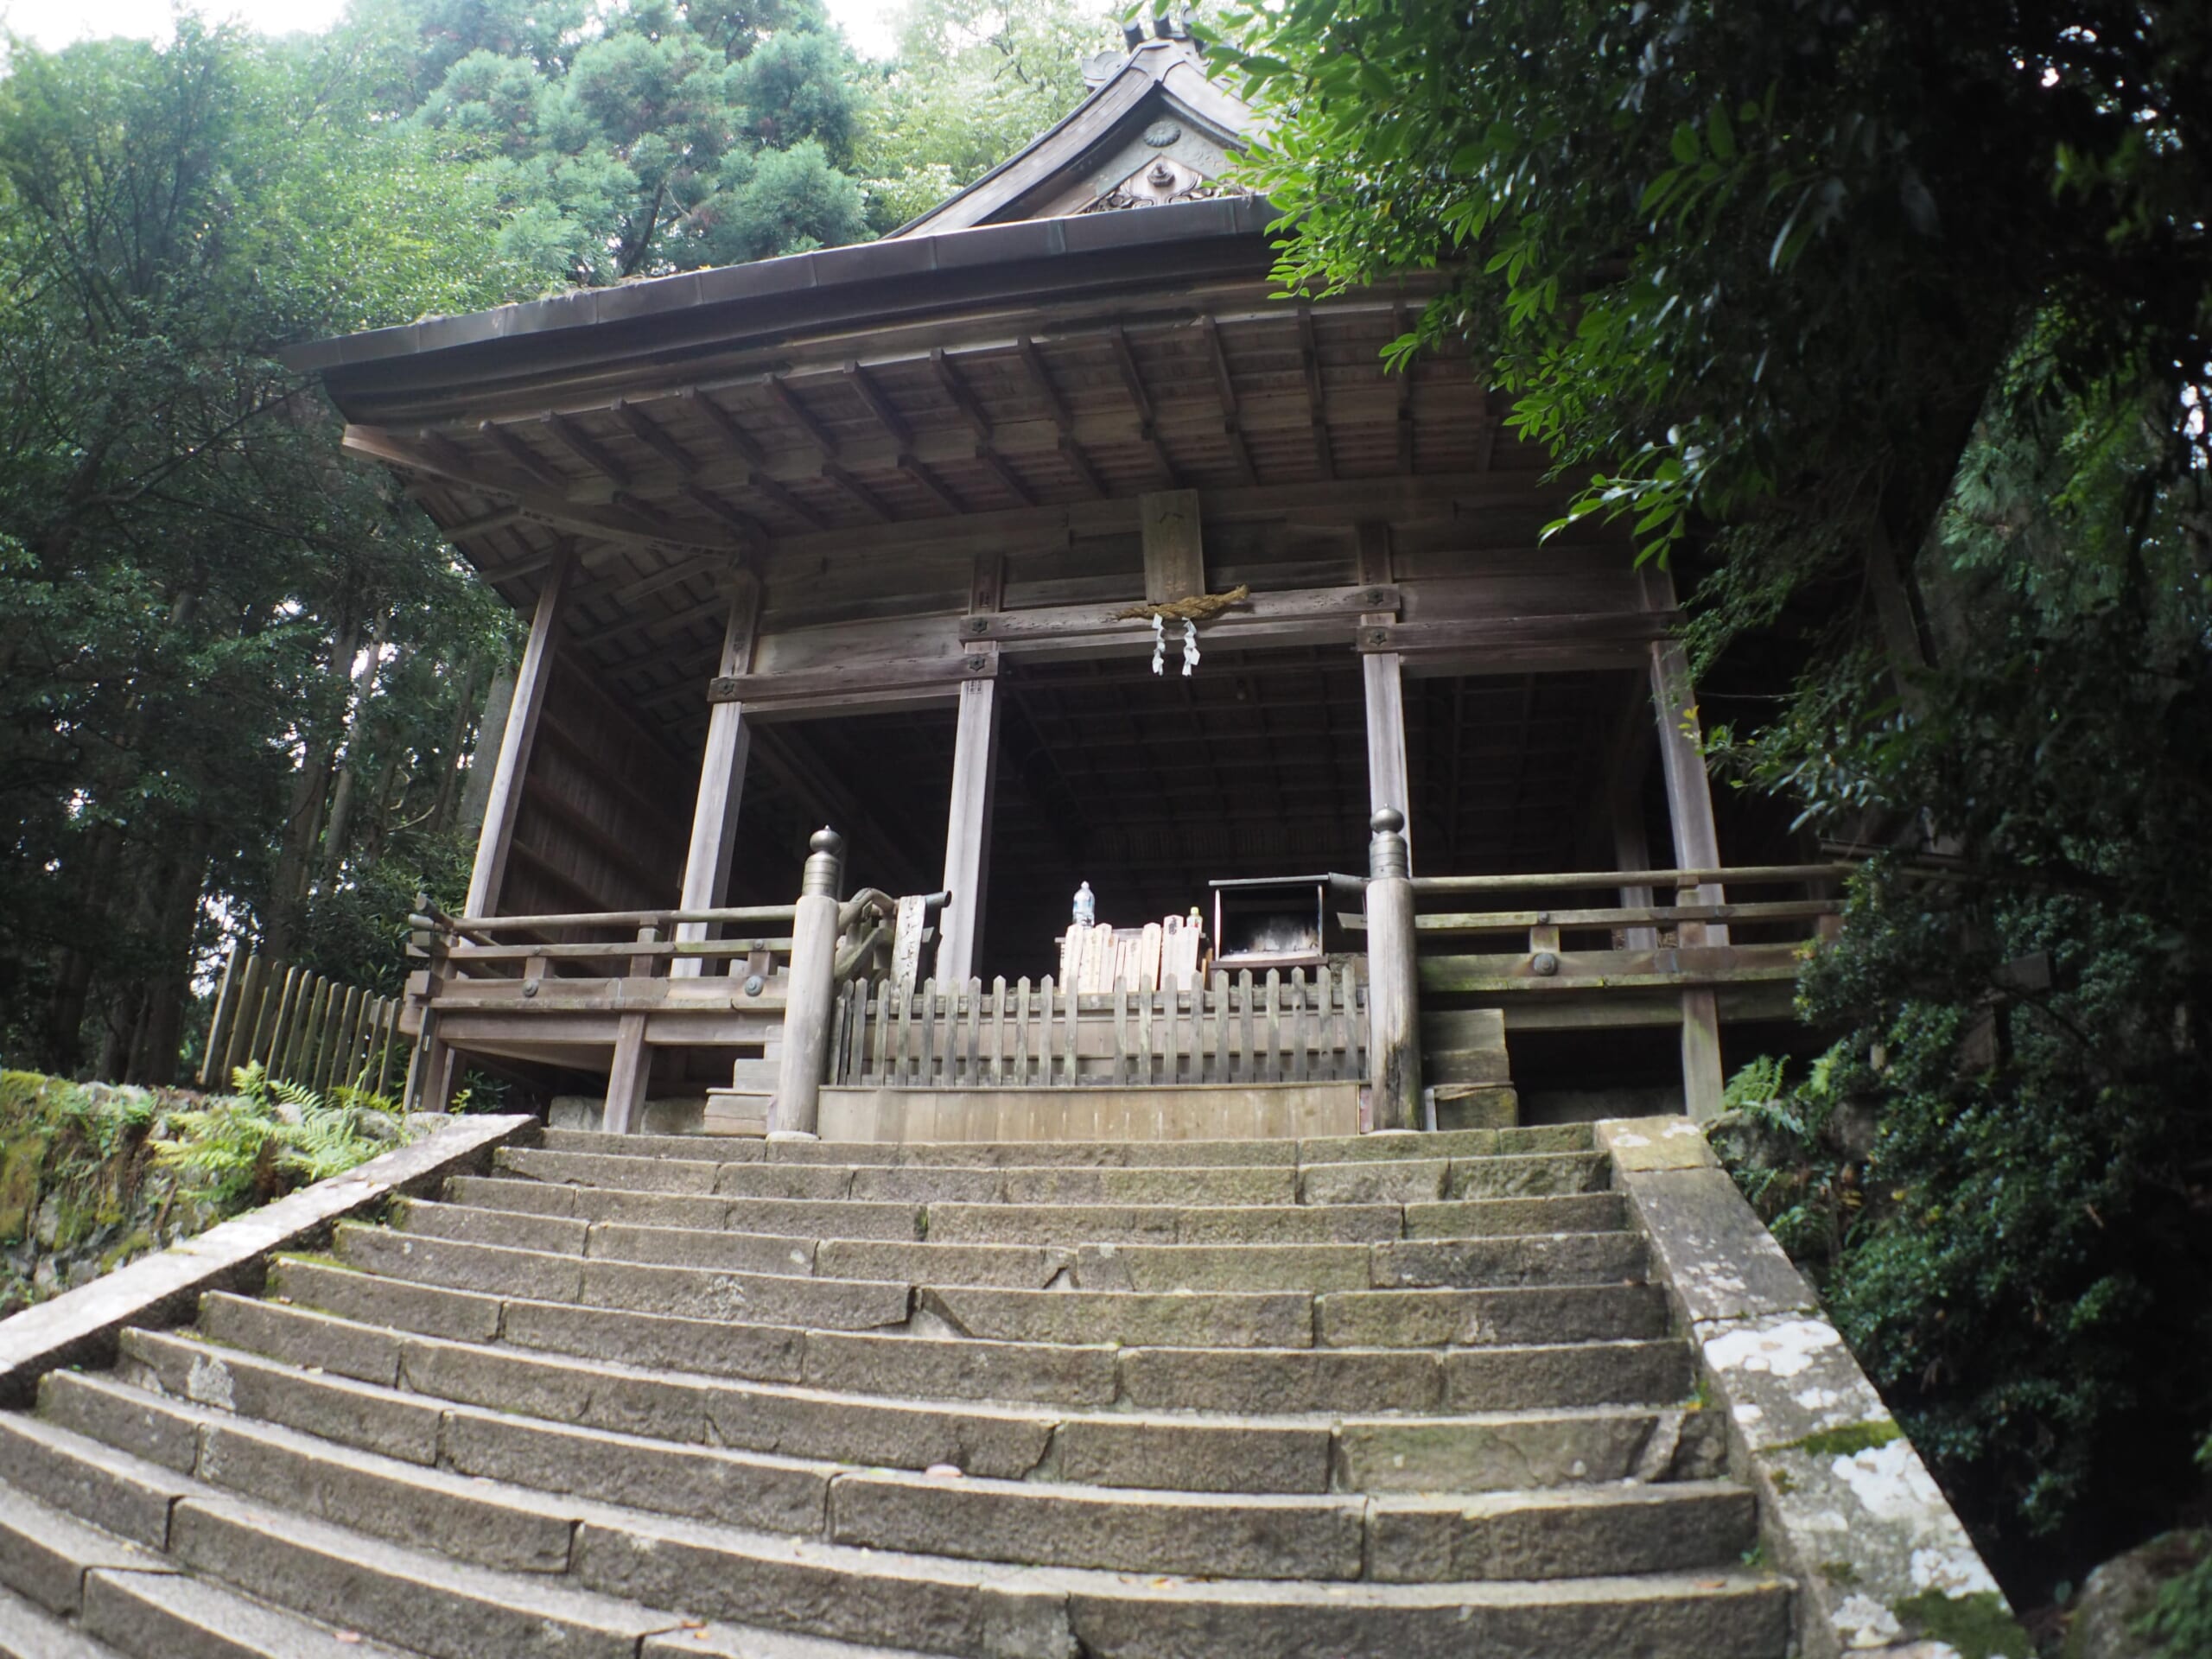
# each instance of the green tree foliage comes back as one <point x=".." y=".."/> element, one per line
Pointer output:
<point x="974" y="81"/>
<point x="648" y="138"/>
<point x="1891" y="323"/>
<point x="201" y="609"/>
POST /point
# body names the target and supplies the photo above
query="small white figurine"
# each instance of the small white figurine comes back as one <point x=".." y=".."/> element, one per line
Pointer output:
<point x="1086" y="907"/>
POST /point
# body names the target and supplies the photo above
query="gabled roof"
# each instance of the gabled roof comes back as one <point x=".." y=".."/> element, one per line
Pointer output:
<point x="1156" y="129"/>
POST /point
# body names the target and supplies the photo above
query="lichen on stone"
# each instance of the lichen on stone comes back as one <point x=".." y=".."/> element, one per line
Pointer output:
<point x="1979" y="1626"/>
<point x="1847" y="1441"/>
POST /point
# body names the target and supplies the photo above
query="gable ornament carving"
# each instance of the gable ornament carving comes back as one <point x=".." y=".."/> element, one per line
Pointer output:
<point x="1158" y="181"/>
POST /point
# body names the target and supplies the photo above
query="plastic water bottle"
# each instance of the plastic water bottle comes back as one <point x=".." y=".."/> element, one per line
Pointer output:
<point x="1086" y="907"/>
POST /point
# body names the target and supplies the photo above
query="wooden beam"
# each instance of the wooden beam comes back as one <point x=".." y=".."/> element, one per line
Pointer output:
<point x="1316" y="404"/>
<point x="586" y="449"/>
<point x="893" y="423"/>
<point x="1389" y="779"/>
<point x="629" y="1074"/>
<point x="752" y="473"/>
<point x="962" y="400"/>
<point x="968" y="831"/>
<point x="800" y="415"/>
<point x="508" y="445"/>
<point x="743" y="524"/>
<point x="1010" y="480"/>
<point x="503" y="805"/>
<point x="865" y="498"/>
<point x="1225" y="389"/>
<point x="649" y="432"/>
<point x="1405" y="380"/>
<point x="722" y="778"/>
<point x="747" y="447"/>
<point x="1697" y="841"/>
<point x="942" y="651"/>
<point x="1147" y="417"/>
<point x="483" y="524"/>
<point x="1174" y="546"/>
<point x="930" y="484"/>
<point x="488" y="478"/>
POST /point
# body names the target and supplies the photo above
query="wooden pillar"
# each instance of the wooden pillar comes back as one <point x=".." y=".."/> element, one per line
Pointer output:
<point x="504" y="803"/>
<point x="628" y="1076"/>
<point x="722" y="784"/>
<point x="1697" y="843"/>
<point x="1387" y="784"/>
<point x="968" y="831"/>
<point x="1632" y="851"/>
<point x="1383" y="675"/>
<point x="1394" y="1091"/>
<point x="810" y="1002"/>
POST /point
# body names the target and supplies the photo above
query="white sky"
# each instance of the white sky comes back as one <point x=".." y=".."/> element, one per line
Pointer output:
<point x="53" y="23"/>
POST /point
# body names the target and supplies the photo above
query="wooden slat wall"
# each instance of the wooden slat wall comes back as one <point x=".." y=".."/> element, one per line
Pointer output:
<point x="605" y="808"/>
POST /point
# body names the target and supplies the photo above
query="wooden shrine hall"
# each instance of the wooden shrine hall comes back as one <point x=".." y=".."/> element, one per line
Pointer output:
<point x="888" y="538"/>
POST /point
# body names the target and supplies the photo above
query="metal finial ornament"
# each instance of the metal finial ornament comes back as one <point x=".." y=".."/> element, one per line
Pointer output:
<point x="825" y="852"/>
<point x="1386" y="853"/>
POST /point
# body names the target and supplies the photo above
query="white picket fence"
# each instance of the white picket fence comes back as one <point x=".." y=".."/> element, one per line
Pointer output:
<point x="1294" y="1029"/>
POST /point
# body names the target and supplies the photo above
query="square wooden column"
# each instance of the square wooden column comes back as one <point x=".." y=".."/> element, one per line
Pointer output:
<point x="722" y="784"/>
<point x="1697" y="843"/>
<point x="503" y="805"/>
<point x="968" y="831"/>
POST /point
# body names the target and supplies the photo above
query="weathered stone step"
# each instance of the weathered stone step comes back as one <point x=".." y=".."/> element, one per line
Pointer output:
<point x="1365" y="1180"/>
<point x="1044" y="1225"/>
<point x="1732" y="1615"/>
<point x="1007" y="1223"/>
<point x="1430" y="1180"/>
<point x="402" y="1490"/>
<point x="620" y="1565"/>
<point x="417" y="1600"/>
<point x="364" y="1344"/>
<point x="1563" y="1311"/>
<point x="171" y="1615"/>
<point x="1514" y="1260"/>
<point x="826" y="1304"/>
<point x="46" y="1552"/>
<point x="1132" y="1154"/>
<point x="1577" y="1533"/>
<point x="29" y="1631"/>
<point x="1307" y="1453"/>
<point x="1374" y="1319"/>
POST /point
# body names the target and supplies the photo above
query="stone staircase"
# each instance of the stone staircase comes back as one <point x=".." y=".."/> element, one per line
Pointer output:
<point x="1402" y="1394"/>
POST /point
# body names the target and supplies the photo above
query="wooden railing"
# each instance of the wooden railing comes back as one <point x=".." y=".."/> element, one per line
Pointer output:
<point x="300" y="1028"/>
<point x="1243" y="1030"/>
<point x="645" y="944"/>
<point x="1625" y="945"/>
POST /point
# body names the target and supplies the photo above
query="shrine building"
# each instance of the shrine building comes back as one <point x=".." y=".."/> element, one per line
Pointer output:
<point x="1042" y="545"/>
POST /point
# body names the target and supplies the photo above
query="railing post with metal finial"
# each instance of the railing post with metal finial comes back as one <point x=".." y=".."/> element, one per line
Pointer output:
<point x="812" y="997"/>
<point x="1393" y="992"/>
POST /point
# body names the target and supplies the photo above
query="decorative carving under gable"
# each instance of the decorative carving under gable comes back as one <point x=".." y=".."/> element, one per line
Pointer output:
<point x="1161" y="181"/>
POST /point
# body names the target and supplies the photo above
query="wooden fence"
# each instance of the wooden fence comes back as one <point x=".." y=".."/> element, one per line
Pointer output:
<point x="302" y="1027"/>
<point x="1272" y="1030"/>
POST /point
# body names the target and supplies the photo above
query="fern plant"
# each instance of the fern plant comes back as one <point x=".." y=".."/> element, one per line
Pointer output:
<point x="270" y="1136"/>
